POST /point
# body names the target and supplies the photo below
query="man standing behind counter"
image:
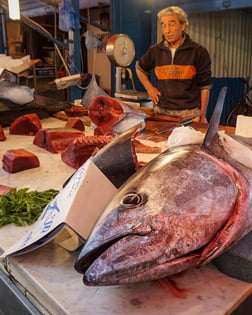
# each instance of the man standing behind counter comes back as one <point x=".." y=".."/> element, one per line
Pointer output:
<point x="182" y="69"/>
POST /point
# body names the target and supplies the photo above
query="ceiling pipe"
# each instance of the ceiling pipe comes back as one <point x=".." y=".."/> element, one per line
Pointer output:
<point x="53" y="3"/>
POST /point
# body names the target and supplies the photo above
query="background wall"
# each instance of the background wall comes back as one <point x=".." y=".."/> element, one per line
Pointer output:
<point x="223" y="27"/>
<point x="226" y="35"/>
<point x="133" y="18"/>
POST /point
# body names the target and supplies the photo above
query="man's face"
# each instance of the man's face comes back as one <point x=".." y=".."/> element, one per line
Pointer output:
<point x="172" y="29"/>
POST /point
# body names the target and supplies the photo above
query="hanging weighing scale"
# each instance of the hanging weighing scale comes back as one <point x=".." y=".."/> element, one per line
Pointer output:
<point x="120" y="50"/>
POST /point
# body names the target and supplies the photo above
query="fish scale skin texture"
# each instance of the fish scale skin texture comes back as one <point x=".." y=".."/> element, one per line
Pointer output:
<point x="196" y="198"/>
<point x="240" y="222"/>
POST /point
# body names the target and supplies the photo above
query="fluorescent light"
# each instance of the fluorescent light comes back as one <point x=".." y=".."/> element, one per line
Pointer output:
<point x="14" y="9"/>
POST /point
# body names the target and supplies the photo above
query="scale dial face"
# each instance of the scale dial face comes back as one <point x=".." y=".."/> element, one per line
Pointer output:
<point x="120" y="50"/>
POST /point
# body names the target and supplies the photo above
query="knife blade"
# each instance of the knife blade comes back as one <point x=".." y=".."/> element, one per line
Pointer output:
<point x="183" y="123"/>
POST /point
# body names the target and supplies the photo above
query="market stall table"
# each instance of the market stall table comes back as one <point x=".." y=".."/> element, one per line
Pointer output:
<point x="47" y="277"/>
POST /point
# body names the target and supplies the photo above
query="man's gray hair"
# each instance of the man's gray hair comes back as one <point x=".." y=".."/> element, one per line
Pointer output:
<point x="181" y="14"/>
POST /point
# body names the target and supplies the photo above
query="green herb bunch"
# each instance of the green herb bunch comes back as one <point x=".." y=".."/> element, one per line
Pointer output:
<point x="23" y="207"/>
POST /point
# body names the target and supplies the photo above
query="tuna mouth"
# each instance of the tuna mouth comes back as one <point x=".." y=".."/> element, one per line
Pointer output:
<point x="142" y="272"/>
<point x="120" y="261"/>
<point x="94" y="249"/>
<point x="89" y="256"/>
<point x="84" y="262"/>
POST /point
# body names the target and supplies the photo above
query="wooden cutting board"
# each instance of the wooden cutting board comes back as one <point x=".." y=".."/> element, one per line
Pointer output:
<point x="149" y="111"/>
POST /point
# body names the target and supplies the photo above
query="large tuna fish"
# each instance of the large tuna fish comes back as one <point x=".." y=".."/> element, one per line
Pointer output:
<point x="182" y="209"/>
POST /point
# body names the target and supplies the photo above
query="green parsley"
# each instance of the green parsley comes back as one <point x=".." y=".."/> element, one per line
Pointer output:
<point x="23" y="207"/>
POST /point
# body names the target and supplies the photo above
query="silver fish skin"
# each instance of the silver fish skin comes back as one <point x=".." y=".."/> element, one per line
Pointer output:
<point x="160" y="219"/>
<point x="182" y="209"/>
<point x="240" y="222"/>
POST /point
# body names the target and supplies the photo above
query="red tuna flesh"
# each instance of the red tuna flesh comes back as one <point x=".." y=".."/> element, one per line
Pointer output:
<point x="2" y="135"/>
<point x="56" y="140"/>
<point x="81" y="148"/>
<point x="105" y="111"/>
<point x="18" y="160"/>
<point x="26" y="125"/>
<point x="75" y="123"/>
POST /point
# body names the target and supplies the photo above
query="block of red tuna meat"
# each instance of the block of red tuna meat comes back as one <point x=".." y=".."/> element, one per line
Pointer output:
<point x="80" y="149"/>
<point x="105" y="111"/>
<point x="26" y="125"/>
<point x="143" y="148"/>
<point x="75" y="123"/>
<point x="101" y="131"/>
<point x="2" y="135"/>
<point x="17" y="160"/>
<point x="4" y="189"/>
<point x="55" y="140"/>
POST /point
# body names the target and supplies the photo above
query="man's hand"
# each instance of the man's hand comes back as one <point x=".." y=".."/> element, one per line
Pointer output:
<point x="203" y="119"/>
<point x="152" y="91"/>
<point x="154" y="94"/>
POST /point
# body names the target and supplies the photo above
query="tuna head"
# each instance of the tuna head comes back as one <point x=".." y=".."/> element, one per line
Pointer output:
<point x="160" y="220"/>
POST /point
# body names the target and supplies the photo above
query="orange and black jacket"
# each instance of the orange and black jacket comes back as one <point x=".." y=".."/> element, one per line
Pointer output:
<point x="179" y="79"/>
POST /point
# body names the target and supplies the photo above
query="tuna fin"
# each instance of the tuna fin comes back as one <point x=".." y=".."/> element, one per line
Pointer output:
<point x="215" y="119"/>
<point x="117" y="160"/>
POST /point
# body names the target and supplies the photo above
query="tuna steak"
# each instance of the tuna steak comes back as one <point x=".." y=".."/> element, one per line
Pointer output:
<point x="56" y="140"/>
<point x="2" y="135"/>
<point x="26" y="125"/>
<point x="17" y="160"/>
<point x="81" y="148"/>
<point x="180" y="210"/>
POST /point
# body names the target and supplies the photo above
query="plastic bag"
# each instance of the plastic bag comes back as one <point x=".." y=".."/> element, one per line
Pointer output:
<point x="92" y="91"/>
<point x="91" y="40"/>
<point x="67" y="17"/>
<point x="18" y="94"/>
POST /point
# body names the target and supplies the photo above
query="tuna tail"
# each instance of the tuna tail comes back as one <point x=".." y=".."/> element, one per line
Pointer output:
<point x="215" y="119"/>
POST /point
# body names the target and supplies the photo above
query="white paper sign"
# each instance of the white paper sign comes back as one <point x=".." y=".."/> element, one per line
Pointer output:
<point x="244" y="126"/>
<point x="78" y="205"/>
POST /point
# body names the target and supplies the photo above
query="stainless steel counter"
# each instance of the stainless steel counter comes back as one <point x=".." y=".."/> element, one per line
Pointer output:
<point x="47" y="278"/>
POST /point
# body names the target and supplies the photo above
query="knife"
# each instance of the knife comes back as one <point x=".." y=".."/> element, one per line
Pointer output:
<point x="183" y="123"/>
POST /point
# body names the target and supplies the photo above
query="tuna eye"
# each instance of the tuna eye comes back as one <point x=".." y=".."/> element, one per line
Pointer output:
<point x="132" y="200"/>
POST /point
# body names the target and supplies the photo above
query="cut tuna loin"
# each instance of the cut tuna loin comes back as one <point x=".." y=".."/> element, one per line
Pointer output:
<point x="55" y="140"/>
<point x="104" y="131"/>
<point x="80" y="149"/>
<point x="143" y="148"/>
<point x="18" y="160"/>
<point x="4" y="189"/>
<point x="105" y="111"/>
<point x="26" y="125"/>
<point x="2" y="135"/>
<point x="75" y="123"/>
